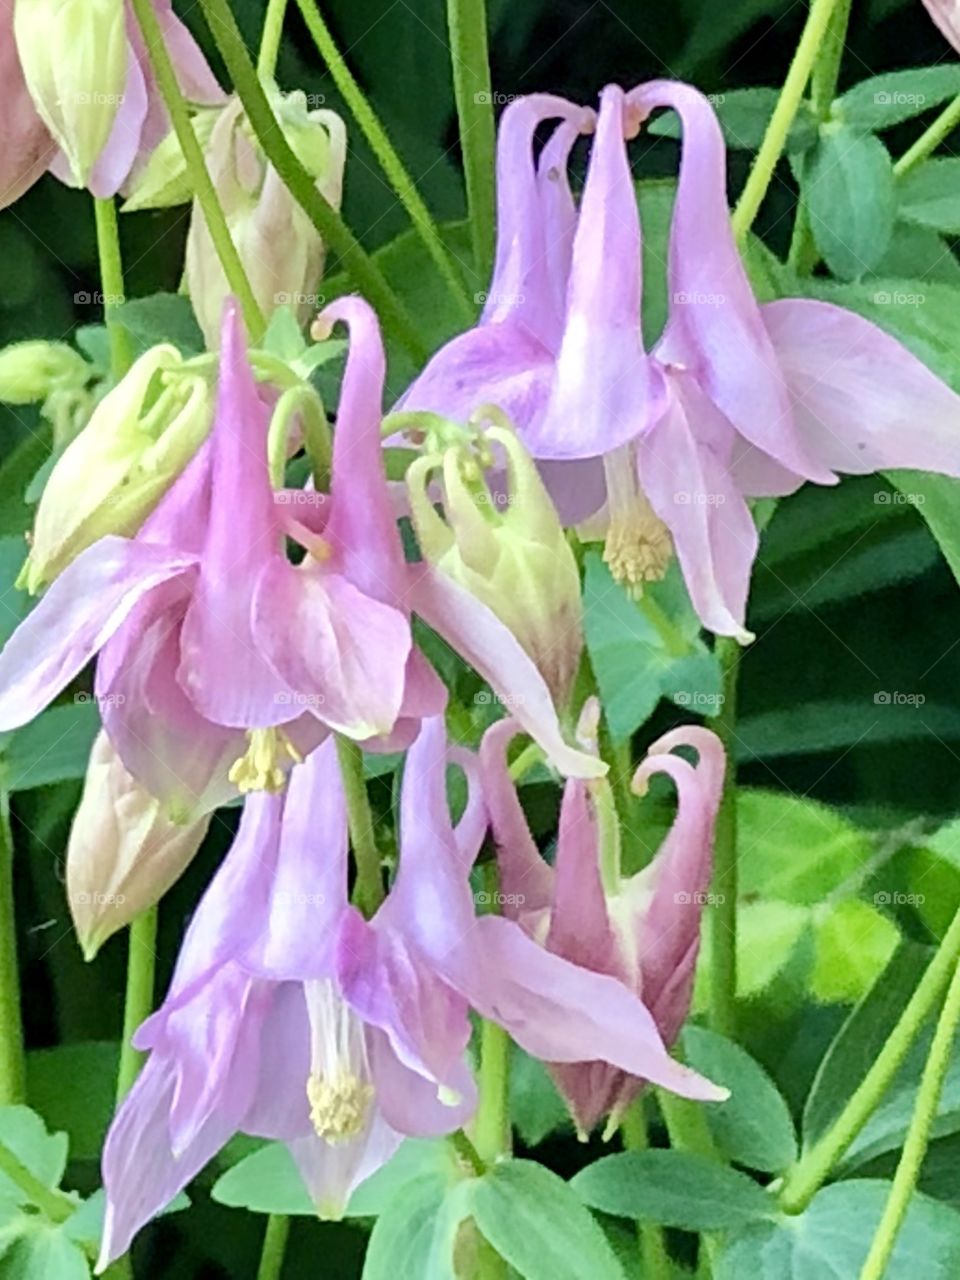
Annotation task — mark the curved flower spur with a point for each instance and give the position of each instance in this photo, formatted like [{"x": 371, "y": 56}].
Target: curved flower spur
[
  {"x": 643, "y": 930},
  {"x": 736, "y": 400}
]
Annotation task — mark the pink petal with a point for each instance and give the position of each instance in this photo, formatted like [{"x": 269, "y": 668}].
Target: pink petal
[
  {"x": 526, "y": 880},
  {"x": 333, "y": 1170},
  {"x": 83, "y": 608},
  {"x": 120, "y": 153},
  {"x": 580, "y": 928},
  {"x": 862, "y": 401}
]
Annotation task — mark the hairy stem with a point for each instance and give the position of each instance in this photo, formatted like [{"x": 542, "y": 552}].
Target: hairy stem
[
  {"x": 470, "y": 57},
  {"x": 774, "y": 141},
  {"x": 54, "y": 1204},
  {"x": 807, "y": 1176},
  {"x": 138, "y": 1001},
  {"x": 918, "y": 1135},
  {"x": 930, "y": 139},
  {"x": 723, "y": 933},
  {"x": 13, "y": 1074},
  {"x": 361, "y": 268},
  {"x": 111, "y": 283},
  {"x": 368, "y": 887},
  {"x": 396, "y": 171},
  {"x": 200, "y": 179}
]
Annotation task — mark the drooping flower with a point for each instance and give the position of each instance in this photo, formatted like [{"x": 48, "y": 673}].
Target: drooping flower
[
  {"x": 275, "y": 1027},
  {"x": 737, "y": 400},
  {"x": 643, "y": 930},
  {"x": 280, "y": 248},
  {"x": 89, "y": 75},
  {"x": 26, "y": 147},
  {"x": 124, "y": 853}
]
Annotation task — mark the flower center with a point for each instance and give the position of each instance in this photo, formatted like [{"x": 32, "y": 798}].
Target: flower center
[
  {"x": 261, "y": 767},
  {"x": 638, "y": 549},
  {"x": 338, "y": 1087}
]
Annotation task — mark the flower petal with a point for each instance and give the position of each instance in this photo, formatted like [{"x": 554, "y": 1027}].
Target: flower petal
[{"x": 526, "y": 880}]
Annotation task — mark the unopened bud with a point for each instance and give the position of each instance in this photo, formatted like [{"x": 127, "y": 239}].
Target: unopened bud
[
  {"x": 506, "y": 546},
  {"x": 164, "y": 181},
  {"x": 280, "y": 248},
  {"x": 75, "y": 58},
  {"x": 124, "y": 852},
  {"x": 113, "y": 474},
  {"x": 31, "y": 371}
]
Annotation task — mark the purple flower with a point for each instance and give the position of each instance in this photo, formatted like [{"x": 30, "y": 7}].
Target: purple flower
[
  {"x": 644, "y": 931},
  {"x": 736, "y": 401}
]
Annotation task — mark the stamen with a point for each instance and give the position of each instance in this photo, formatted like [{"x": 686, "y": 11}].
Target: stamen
[
  {"x": 638, "y": 548},
  {"x": 338, "y": 1088},
  {"x": 261, "y": 767}
]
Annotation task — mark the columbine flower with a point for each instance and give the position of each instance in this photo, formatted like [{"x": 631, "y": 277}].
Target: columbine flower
[
  {"x": 26, "y": 147},
  {"x": 645, "y": 930},
  {"x": 279, "y": 246},
  {"x": 737, "y": 400},
  {"x": 124, "y": 853},
  {"x": 89, "y": 75}
]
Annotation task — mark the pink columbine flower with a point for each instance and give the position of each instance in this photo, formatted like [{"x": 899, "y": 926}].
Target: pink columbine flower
[
  {"x": 645, "y": 930},
  {"x": 737, "y": 400}
]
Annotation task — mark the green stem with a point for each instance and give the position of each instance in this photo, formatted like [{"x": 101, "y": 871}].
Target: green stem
[
  {"x": 687, "y": 1125},
  {"x": 774, "y": 141},
  {"x": 111, "y": 282},
  {"x": 824, "y": 79},
  {"x": 470, "y": 56},
  {"x": 491, "y": 1133},
  {"x": 394, "y": 168},
  {"x": 918, "y": 1136},
  {"x": 723, "y": 932},
  {"x": 200, "y": 179},
  {"x": 807, "y": 1176},
  {"x": 364, "y": 272},
  {"x": 654, "y": 1258},
  {"x": 54, "y": 1204},
  {"x": 13, "y": 1075},
  {"x": 467, "y": 1152},
  {"x": 138, "y": 1001},
  {"x": 368, "y": 887},
  {"x": 930, "y": 139},
  {"x": 274, "y": 1247},
  {"x": 270, "y": 44}
]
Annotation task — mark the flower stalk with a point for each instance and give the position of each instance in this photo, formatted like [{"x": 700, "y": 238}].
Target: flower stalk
[
  {"x": 470, "y": 60},
  {"x": 138, "y": 1000},
  {"x": 111, "y": 282},
  {"x": 12, "y": 1062},
  {"x": 723, "y": 934},
  {"x": 274, "y": 1247},
  {"x": 368, "y": 887}
]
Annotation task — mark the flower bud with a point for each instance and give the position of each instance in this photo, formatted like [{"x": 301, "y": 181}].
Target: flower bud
[
  {"x": 164, "y": 181},
  {"x": 505, "y": 545},
  {"x": 280, "y": 248},
  {"x": 26, "y": 147},
  {"x": 112, "y": 475},
  {"x": 31, "y": 371},
  {"x": 124, "y": 853},
  {"x": 75, "y": 58}
]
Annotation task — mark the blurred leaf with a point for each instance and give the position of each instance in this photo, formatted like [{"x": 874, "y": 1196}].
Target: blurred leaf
[
  {"x": 917, "y": 253},
  {"x": 83, "y": 1111},
  {"x": 930, "y": 196},
  {"x": 767, "y": 937},
  {"x": 18, "y": 469},
  {"x": 53, "y": 748},
  {"x": 754, "y": 1127},
  {"x": 854, "y": 941},
  {"x": 43, "y": 1153},
  {"x": 849, "y": 192},
  {"x": 832, "y": 1237},
  {"x": 417, "y": 1232},
  {"x": 744, "y": 115},
  {"x": 893, "y": 96},
  {"x": 14, "y": 604},
  {"x": 538, "y": 1223},
  {"x": 536, "y": 1108},
  {"x": 828, "y": 726},
  {"x": 163, "y": 317},
  {"x": 43, "y": 1252},
  {"x": 267, "y": 1181},
  {"x": 674, "y": 1189},
  {"x": 937, "y": 499}
]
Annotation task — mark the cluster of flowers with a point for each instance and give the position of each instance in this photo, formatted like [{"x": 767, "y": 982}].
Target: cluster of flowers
[{"x": 228, "y": 667}]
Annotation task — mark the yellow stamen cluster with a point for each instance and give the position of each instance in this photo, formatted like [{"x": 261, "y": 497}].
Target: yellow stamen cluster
[
  {"x": 339, "y": 1106},
  {"x": 638, "y": 549},
  {"x": 262, "y": 766}
]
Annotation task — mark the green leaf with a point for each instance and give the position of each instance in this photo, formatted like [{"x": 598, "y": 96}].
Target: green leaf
[
  {"x": 768, "y": 936},
  {"x": 744, "y": 115},
  {"x": 754, "y": 1126},
  {"x": 854, "y": 941},
  {"x": 19, "y": 468},
  {"x": 14, "y": 604},
  {"x": 42, "y": 1252},
  {"x": 887, "y": 99},
  {"x": 536, "y": 1108},
  {"x": 537, "y": 1222},
  {"x": 861, "y": 1038},
  {"x": 831, "y": 1238},
  {"x": 53, "y": 748},
  {"x": 84, "y": 1110},
  {"x": 267, "y": 1181},
  {"x": 416, "y": 1158},
  {"x": 849, "y": 193},
  {"x": 417, "y": 1232},
  {"x": 828, "y": 726},
  {"x": 916, "y": 253},
  {"x": 674, "y": 1189},
  {"x": 937, "y": 499},
  {"x": 795, "y": 849},
  {"x": 163, "y": 317},
  {"x": 644, "y": 651},
  {"x": 930, "y": 196}
]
